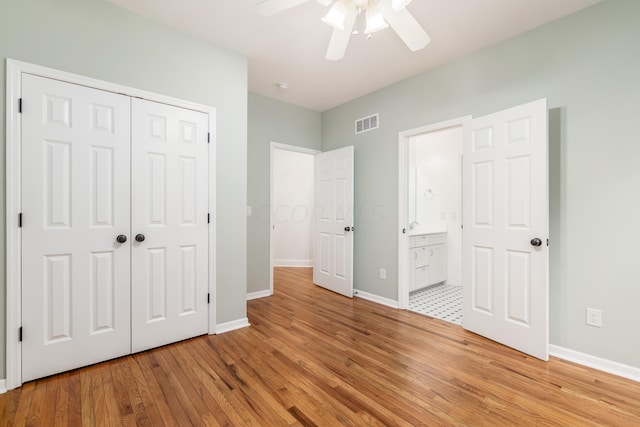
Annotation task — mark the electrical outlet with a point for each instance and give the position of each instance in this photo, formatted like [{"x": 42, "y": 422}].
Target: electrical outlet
[
  {"x": 249, "y": 211},
  {"x": 594, "y": 317},
  {"x": 383, "y": 274}
]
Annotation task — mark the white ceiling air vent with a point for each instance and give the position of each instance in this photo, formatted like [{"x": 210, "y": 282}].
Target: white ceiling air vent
[{"x": 367, "y": 123}]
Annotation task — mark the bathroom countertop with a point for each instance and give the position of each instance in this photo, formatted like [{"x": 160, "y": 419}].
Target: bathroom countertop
[{"x": 424, "y": 233}]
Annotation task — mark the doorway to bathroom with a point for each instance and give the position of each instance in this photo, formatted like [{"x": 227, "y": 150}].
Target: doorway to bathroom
[
  {"x": 434, "y": 217},
  {"x": 505, "y": 213}
]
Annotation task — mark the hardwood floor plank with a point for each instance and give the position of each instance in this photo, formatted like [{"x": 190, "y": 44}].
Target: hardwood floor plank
[
  {"x": 98, "y": 391},
  {"x": 221, "y": 389},
  {"x": 314, "y": 358},
  {"x": 111, "y": 400},
  {"x": 256, "y": 397},
  {"x": 14, "y": 404},
  {"x": 182, "y": 384},
  {"x": 130, "y": 403},
  {"x": 34, "y": 414},
  {"x": 139, "y": 388},
  {"x": 318, "y": 402},
  {"x": 61, "y": 403},
  {"x": 162, "y": 392},
  {"x": 215, "y": 415}
]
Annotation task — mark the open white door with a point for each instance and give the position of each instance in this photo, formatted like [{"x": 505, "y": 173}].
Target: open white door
[
  {"x": 506, "y": 226},
  {"x": 333, "y": 233}
]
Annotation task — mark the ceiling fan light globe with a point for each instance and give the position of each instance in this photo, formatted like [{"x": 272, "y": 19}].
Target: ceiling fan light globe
[
  {"x": 336, "y": 15},
  {"x": 375, "y": 20},
  {"x": 399, "y": 4}
]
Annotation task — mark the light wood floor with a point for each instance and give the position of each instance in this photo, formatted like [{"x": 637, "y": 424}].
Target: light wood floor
[{"x": 315, "y": 358}]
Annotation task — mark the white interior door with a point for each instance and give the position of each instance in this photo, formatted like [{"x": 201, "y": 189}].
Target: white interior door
[
  {"x": 75, "y": 202},
  {"x": 505, "y": 193},
  {"x": 333, "y": 234},
  {"x": 169, "y": 211}
]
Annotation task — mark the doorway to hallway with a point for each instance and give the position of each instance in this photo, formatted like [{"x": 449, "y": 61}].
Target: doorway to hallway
[{"x": 292, "y": 204}]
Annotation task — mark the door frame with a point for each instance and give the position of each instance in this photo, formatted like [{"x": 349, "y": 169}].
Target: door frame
[
  {"x": 279, "y": 146},
  {"x": 13, "y": 188},
  {"x": 403, "y": 200}
]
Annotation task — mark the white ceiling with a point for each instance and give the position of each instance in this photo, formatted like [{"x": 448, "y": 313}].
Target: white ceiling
[{"x": 290, "y": 46}]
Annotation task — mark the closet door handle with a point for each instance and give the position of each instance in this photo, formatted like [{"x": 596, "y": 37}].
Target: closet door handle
[
  {"x": 121, "y": 238},
  {"x": 140, "y": 237},
  {"x": 536, "y": 242}
]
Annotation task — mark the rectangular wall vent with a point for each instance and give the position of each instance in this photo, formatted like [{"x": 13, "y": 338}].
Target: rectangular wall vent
[{"x": 367, "y": 123}]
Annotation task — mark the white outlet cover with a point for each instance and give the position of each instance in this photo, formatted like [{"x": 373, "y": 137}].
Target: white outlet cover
[{"x": 594, "y": 317}]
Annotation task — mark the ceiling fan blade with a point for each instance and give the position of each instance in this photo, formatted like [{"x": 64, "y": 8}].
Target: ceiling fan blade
[
  {"x": 271, "y": 7},
  {"x": 340, "y": 38},
  {"x": 408, "y": 29}
]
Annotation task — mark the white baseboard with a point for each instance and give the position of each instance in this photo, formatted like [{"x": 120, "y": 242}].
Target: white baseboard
[
  {"x": 375, "y": 298},
  {"x": 3, "y": 386},
  {"x": 221, "y": 328},
  {"x": 594, "y": 362},
  {"x": 293, "y": 263},
  {"x": 259, "y": 294}
]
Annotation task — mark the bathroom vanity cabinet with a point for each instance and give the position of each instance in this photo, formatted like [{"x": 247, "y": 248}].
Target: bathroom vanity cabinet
[{"x": 427, "y": 260}]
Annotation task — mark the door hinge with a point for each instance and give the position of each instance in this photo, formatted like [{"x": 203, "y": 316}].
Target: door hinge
[
  {"x": 208, "y": 298},
  {"x": 20, "y": 220},
  {"x": 208, "y": 137},
  {"x": 208, "y": 218},
  {"x": 20, "y": 334},
  {"x": 20, "y": 105}
]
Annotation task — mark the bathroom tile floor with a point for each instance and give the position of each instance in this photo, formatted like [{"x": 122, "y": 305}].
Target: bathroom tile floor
[{"x": 441, "y": 301}]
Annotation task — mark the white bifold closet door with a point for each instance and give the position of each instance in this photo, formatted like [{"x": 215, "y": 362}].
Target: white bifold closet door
[{"x": 98, "y": 166}]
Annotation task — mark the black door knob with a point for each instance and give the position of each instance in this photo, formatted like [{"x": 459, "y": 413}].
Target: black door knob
[
  {"x": 121, "y": 238},
  {"x": 139, "y": 237},
  {"x": 347, "y": 229},
  {"x": 536, "y": 242}
]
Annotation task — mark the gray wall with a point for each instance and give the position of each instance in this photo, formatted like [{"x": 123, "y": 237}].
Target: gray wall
[
  {"x": 99, "y": 40},
  {"x": 588, "y": 67},
  {"x": 270, "y": 121}
]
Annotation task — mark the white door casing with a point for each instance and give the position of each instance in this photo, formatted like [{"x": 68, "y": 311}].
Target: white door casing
[
  {"x": 333, "y": 233},
  {"x": 75, "y": 175},
  {"x": 505, "y": 193},
  {"x": 170, "y": 209}
]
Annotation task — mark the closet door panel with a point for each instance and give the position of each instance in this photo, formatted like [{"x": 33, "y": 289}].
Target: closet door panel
[
  {"x": 75, "y": 202},
  {"x": 170, "y": 209}
]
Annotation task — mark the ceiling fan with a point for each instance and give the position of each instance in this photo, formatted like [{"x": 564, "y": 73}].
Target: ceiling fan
[{"x": 342, "y": 15}]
